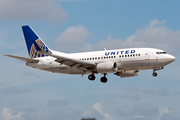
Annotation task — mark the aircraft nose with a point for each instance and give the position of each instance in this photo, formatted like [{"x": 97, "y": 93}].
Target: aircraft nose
[{"x": 171, "y": 58}]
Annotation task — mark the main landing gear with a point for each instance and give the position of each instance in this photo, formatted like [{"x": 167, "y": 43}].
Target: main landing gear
[
  {"x": 91, "y": 77},
  {"x": 103, "y": 79}
]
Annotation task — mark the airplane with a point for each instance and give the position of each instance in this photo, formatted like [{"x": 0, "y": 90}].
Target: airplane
[{"x": 121, "y": 62}]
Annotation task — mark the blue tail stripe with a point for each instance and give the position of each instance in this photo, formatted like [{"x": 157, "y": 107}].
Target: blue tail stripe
[{"x": 29, "y": 36}]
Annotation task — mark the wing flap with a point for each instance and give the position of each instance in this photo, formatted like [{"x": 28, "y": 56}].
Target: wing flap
[{"x": 22, "y": 58}]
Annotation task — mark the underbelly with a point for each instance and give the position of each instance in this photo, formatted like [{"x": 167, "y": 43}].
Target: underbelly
[
  {"x": 137, "y": 65},
  {"x": 65, "y": 70}
]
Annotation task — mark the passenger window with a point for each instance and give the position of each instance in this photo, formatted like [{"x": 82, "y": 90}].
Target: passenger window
[
  {"x": 122, "y": 55},
  {"x": 90, "y": 58},
  {"x": 128, "y": 55},
  {"x": 139, "y": 55},
  {"x": 101, "y": 57},
  {"x": 114, "y": 56},
  {"x": 82, "y": 59},
  {"x": 93, "y": 58},
  {"x": 104, "y": 57},
  {"x": 131, "y": 55},
  {"x": 87, "y": 58},
  {"x": 109, "y": 56},
  {"x": 119, "y": 56},
  {"x": 125, "y": 55},
  {"x": 98, "y": 57}
]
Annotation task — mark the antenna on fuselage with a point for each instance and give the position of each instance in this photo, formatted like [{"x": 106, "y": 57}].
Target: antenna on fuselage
[{"x": 105, "y": 49}]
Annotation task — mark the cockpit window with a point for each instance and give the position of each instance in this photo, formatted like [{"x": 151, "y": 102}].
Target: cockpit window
[{"x": 160, "y": 52}]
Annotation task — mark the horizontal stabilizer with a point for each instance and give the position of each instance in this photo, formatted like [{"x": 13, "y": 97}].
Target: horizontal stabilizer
[{"x": 23, "y": 58}]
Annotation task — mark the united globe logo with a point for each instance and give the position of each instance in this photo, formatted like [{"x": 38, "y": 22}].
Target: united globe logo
[{"x": 33, "y": 51}]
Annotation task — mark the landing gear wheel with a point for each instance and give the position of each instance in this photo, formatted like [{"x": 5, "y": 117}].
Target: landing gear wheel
[
  {"x": 103, "y": 79},
  {"x": 154, "y": 74},
  {"x": 91, "y": 77}
]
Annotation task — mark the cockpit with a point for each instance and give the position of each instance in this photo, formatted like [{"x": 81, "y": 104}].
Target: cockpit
[{"x": 161, "y": 53}]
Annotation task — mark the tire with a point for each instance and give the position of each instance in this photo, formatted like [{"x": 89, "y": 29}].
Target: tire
[
  {"x": 91, "y": 77},
  {"x": 103, "y": 79},
  {"x": 154, "y": 74}
]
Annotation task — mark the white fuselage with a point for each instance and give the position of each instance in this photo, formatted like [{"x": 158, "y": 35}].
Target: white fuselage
[{"x": 126, "y": 59}]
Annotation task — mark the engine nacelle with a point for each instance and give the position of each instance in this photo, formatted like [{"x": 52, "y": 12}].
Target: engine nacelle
[
  {"x": 127, "y": 73},
  {"x": 106, "y": 67}
]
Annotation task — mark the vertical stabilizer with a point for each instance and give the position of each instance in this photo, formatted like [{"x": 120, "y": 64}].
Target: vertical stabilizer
[{"x": 31, "y": 37}]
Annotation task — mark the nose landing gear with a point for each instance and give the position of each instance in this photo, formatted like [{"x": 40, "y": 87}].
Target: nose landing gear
[
  {"x": 154, "y": 73},
  {"x": 157, "y": 68}
]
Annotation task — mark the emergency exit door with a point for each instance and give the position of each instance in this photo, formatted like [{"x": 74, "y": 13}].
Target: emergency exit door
[{"x": 147, "y": 55}]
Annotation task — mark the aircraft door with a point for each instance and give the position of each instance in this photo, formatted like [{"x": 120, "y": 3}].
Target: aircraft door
[
  {"x": 147, "y": 54},
  {"x": 156, "y": 60}
]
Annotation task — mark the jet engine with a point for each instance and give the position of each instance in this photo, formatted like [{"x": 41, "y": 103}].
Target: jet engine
[
  {"x": 127, "y": 73},
  {"x": 106, "y": 67}
]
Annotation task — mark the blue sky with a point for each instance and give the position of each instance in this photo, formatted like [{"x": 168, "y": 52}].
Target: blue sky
[{"x": 85, "y": 25}]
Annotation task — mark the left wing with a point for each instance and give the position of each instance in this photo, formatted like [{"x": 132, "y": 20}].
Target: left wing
[
  {"x": 66, "y": 60},
  {"x": 63, "y": 59}
]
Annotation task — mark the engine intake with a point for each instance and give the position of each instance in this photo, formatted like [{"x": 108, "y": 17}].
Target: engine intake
[{"x": 106, "y": 67}]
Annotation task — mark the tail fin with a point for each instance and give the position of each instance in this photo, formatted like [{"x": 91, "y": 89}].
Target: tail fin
[{"x": 31, "y": 37}]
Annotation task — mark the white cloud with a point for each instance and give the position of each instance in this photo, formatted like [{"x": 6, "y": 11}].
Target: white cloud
[
  {"x": 32, "y": 10},
  {"x": 131, "y": 96},
  {"x": 74, "y": 37},
  {"x": 9, "y": 114},
  {"x": 72, "y": 0},
  {"x": 74, "y": 34},
  {"x": 146, "y": 110},
  {"x": 155, "y": 35},
  {"x": 131, "y": 88},
  {"x": 141, "y": 111},
  {"x": 156, "y": 90},
  {"x": 124, "y": 111},
  {"x": 92, "y": 112},
  {"x": 16, "y": 90},
  {"x": 98, "y": 107},
  {"x": 164, "y": 111},
  {"x": 58, "y": 102}
]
